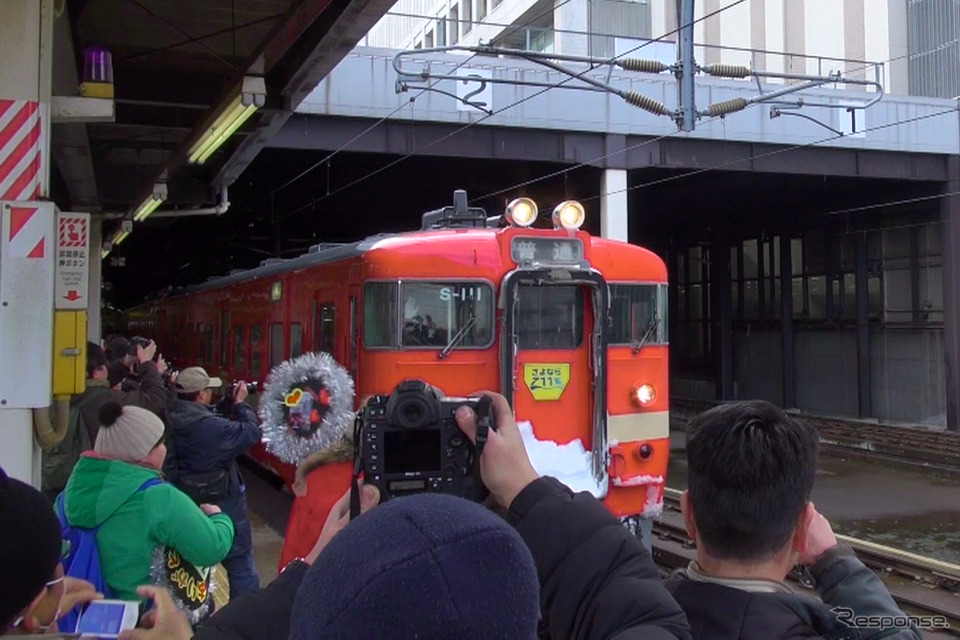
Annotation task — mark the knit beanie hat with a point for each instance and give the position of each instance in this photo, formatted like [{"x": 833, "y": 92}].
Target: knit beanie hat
[
  {"x": 127, "y": 433},
  {"x": 429, "y": 566},
  {"x": 29, "y": 546}
]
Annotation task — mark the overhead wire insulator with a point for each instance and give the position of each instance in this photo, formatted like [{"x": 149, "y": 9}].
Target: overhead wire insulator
[
  {"x": 727, "y": 106},
  {"x": 727, "y": 70},
  {"x": 642, "y": 65},
  {"x": 645, "y": 102}
]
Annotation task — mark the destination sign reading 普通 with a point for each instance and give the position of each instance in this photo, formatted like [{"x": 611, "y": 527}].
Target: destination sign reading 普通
[{"x": 546, "y": 250}]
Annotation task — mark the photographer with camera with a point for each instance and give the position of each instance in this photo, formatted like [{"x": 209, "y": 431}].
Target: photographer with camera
[{"x": 203, "y": 447}]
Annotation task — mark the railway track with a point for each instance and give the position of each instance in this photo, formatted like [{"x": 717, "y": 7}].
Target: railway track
[
  {"x": 921, "y": 586},
  {"x": 936, "y": 452}
]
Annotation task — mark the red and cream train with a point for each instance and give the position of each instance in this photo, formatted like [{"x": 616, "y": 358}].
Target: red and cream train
[{"x": 571, "y": 328}]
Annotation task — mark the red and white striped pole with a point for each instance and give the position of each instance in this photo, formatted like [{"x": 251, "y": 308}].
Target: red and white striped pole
[{"x": 27, "y": 239}]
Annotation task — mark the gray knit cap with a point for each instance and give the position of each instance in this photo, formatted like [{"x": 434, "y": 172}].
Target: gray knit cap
[{"x": 127, "y": 433}]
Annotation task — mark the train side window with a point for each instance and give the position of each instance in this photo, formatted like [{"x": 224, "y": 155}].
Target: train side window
[
  {"x": 256, "y": 350},
  {"x": 200, "y": 351},
  {"x": 296, "y": 339},
  {"x": 239, "y": 348},
  {"x": 224, "y": 337},
  {"x": 637, "y": 315},
  {"x": 353, "y": 337},
  {"x": 208, "y": 345},
  {"x": 324, "y": 328},
  {"x": 276, "y": 344},
  {"x": 380, "y": 314}
]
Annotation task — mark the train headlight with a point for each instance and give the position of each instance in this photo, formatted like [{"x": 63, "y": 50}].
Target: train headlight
[
  {"x": 569, "y": 215},
  {"x": 522, "y": 212},
  {"x": 643, "y": 394}
]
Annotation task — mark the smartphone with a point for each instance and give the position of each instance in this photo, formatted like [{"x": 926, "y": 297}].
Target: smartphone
[{"x": 107, "y": 618}]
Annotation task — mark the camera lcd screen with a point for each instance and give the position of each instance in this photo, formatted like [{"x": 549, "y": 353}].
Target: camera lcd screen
[
  {"x": 101, "y": 618},
  {"x": 411, "y": 450}
]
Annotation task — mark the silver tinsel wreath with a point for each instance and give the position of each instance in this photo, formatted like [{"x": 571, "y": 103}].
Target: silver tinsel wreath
[{"x": 279, "y": 437}]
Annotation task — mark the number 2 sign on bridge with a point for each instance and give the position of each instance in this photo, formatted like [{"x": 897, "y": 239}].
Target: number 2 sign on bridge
[{"x": 475, "y": 93}]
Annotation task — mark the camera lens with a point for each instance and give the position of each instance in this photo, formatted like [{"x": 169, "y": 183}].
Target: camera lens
[{"x": 413, "y": 405}]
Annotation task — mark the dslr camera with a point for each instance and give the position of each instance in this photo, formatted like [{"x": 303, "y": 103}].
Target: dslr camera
[
  {"x": 252, "y": 387},
  {"x": 408, "y": 442},
  {"x": 137, "y": 341}
]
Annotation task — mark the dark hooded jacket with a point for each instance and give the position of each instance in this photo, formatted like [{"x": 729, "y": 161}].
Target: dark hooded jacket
[
  {"x": 720, "y": 612},
  {"x": 200, "y": 441}
]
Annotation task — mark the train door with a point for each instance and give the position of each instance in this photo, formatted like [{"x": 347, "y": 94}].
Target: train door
[
  {"x": 325, "y": 324},
  {"x": 223, "y": 334},
  {"x": 554, "y": 357}
]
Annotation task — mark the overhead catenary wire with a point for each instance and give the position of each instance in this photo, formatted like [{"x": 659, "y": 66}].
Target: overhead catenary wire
[
  {"x": 449, "y": 135},
  {"x": 638, "y": 145}
]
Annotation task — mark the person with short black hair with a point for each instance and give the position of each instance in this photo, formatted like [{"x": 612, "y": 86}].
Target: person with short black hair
[
  {"x": 33, "y": 589},
  {"x": 751, "y": 470}
]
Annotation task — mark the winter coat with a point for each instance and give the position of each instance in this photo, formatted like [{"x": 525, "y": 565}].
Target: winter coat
[
  {"x": 257, "y": 615},
  {"x": 597, "y": 580},
  {"x": 321, "y": 480},
  {"x": 106, "y": 493},
  {"x": 720, "y": 612},
  {"x": 201, "y": 441}
]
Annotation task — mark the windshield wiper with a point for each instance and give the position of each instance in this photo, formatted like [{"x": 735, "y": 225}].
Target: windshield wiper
[
  {"x": 457, "y": 337},
  {"x": 638, "y": 345}
]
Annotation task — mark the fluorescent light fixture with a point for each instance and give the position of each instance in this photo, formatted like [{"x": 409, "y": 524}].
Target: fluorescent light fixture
[
  {"x": 150, "y": 205},
  {"x": 121, "y": 234},
  {"x": 251, "y": 97}
]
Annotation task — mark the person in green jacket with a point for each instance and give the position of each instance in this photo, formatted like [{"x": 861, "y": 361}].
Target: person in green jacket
[{"x": 104, "y": 491}]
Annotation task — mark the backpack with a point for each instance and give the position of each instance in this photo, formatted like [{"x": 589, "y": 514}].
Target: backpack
[
  {"x": 58, "y": 461},
  {"x": 82, "y": 559}
]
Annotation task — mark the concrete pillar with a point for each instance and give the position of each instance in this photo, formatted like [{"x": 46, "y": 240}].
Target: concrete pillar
[
  {"x": 95, "y": 283},
  {"x": 722, "y": 316},
  {"x": 26, "y": 48},
  {"x": 786, "y": 323},
  {"x": 864, "y": 402},
  {"x": 614, "y": 213},
  {"x": 950, "y": 221}
]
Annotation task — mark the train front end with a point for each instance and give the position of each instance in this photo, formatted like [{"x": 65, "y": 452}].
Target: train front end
[
  {"x": 584, "y": 360},
  {"x": 569, "y": 327}
]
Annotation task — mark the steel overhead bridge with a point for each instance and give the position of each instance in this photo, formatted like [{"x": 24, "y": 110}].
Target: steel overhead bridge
[{"x": 503, "y": 107}]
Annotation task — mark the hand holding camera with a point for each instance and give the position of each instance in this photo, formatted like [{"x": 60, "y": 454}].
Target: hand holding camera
[
  {"x": 240, "y": 392},
  {"x": 145, "y": 349},
  {"x": 504, "y": 464}
]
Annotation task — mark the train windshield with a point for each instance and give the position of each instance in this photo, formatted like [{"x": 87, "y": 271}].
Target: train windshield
[
  {"x": 550, "y": 317},
  {"x": 420, "y": 314},
  {"x": 638, "y": 314}
]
